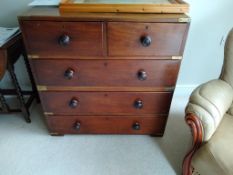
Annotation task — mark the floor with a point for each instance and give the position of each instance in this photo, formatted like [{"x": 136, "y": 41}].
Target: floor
[{"x": 27, "y": 149}]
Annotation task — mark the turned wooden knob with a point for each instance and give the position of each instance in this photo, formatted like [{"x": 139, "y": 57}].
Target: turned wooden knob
[
  {"x": 69, "y": 73},
  {"x": 142, "y": 75},
  {"x": 77, "y": 126},
  {"x": 73, "y": 103},
  {"x": 146, "y": 41},
  {"x": 64, "y": 40},
  {"x": 138, "y": 104},
  {"x": 136, "y": 126}
]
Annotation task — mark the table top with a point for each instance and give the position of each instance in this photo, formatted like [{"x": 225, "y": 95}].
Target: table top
[
  {"x": 11, "y": 41},
  {"x": 10, "y": 52}
]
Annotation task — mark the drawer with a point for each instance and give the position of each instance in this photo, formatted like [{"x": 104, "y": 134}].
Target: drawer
[
  {"x": 106, "y": 124},
  {"x": 127, "y": 73},
  {"x": 146, "y": 39},
  {"x": 106, "y": 103},
  {"x": 63, "y": 39}
]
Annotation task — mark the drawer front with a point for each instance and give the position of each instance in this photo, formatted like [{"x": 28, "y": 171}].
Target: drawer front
[
  {"x": 63, "y": 39},
  {"x": 146, "y": 39},
  {"x": 106, "y": 125},
  {"x": 127, "y": 73},
  {"x": 106, "y": 103}
]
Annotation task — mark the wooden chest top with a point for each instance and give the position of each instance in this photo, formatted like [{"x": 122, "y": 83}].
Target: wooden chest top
[{"x": 48, "y": 13}]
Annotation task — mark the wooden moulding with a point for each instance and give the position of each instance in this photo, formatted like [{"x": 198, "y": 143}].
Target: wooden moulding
[
  {"x": 104, "y": 89},
  {"x": 174, "y": 6},
  {"x": 196, "y": 128}
]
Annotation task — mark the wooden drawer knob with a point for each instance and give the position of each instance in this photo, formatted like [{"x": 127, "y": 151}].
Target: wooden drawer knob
[
  {"x": 142, "y": 75},
  {"x": 136, "y": 126},
  {"x": 77, "y": 126},
  {"x": 73, "y": 103},
  {"x": 64, "y": 40},
  {"x": 69, "y": 73},
  {"x": 138, "y": 104},
  {"x": 146, "y": 41}
]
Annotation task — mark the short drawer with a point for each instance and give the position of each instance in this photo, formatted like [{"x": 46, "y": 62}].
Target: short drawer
[
  {"x": 106, "y": 103},
  {"x": 146, "y": 39},
  {"x": 127, "y": 73},
  {"x": 107, "y": 124},
  {"x": 63, "y": 39}
]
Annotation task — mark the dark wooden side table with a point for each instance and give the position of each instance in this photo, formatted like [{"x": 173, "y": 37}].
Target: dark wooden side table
[{"x": 10, "y": 52}]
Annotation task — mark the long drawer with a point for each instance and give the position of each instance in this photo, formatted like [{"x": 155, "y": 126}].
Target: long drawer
[
  {"x": 154, "y": 125},
  {"x": 127, "y": 73},
  {"x": 106, "y": 103},
  {"x": 146, "y": 39},
  {"x": 63, "y": 39}
]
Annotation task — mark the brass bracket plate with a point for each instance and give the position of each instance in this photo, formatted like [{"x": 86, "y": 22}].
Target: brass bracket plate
[
  {"x": 42, "y": 88},
  {"x": 184, "y": 20},
  {"x": 177, "y": 57},
  {"x": 172, "y": 88},
  {"x": 48, "y": 113},
  {"x": 33, "y": 56}
]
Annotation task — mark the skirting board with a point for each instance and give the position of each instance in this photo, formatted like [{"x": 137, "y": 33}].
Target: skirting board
[{"x": 185, "y": 89}]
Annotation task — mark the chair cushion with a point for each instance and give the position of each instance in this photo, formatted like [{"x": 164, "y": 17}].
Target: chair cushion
[{"x": 216, "y": 156}]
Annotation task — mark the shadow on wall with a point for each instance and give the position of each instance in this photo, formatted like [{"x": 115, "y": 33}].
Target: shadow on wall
[{"x": 177, "y": 139}]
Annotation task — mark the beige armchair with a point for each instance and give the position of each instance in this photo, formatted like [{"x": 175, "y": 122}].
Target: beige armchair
[{"x": 209, "y": 113}]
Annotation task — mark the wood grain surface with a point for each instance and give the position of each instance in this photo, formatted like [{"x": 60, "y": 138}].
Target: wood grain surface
[
  {"x": 149, "y": 124},
  {"x": 124, "y": 6},
  {"x": 125, "y": 39},
  {"x": 109, "y": 73},
  {"x": 53, "y": 14},
  {"x": 106, "y": 103},
  {"x": 42, "y": 38}
]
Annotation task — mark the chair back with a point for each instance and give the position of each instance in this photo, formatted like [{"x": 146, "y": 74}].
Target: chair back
[{"x": 227, "y": 69}]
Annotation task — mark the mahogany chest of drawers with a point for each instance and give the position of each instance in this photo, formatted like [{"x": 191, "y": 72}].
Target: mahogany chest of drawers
[{"x": 104, "y": 73}]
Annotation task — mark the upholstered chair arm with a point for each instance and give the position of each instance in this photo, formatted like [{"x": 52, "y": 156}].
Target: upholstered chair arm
[{"x": 209, "y": 102}]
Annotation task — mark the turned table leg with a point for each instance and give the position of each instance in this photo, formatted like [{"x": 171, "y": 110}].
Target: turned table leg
[
  {"x": 34, "y": 89},
  {"x": 23, "y": 106},
  {"x": 5, "y": 107}
]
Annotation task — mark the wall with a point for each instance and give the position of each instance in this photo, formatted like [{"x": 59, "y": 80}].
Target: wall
[
  {"x": 10, "y": 9},
  {"x": 203, "y": 57}
]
